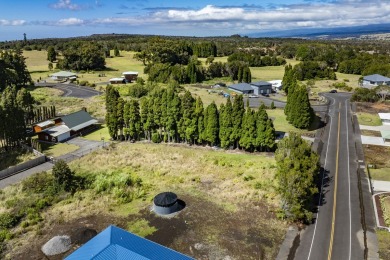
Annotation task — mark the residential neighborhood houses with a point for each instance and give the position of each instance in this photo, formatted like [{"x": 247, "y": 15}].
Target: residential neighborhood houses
[{"x": 127, "y": 76}]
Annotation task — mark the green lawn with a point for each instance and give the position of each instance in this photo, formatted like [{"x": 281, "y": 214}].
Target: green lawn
[
  {"x": 384, "y": 242},
  {"x": 59, "y": 149},
  {"x": 281, "y": 124},
  {"x": 369, "y": 119},
  {"x": 97, "y": 135},
  {"x": 207, "y": 97},
  {"x": 382, "y": 174}
]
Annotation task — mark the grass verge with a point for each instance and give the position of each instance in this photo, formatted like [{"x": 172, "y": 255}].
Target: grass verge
[
  {"x": 58, "y": 149},
  {"x": 369, "y": 119}
]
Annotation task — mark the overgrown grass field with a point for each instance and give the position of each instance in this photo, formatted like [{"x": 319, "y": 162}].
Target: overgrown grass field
[{"x": 227, "y": 183}]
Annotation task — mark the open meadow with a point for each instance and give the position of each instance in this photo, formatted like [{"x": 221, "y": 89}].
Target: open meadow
[{"x": 229, "y": 196}]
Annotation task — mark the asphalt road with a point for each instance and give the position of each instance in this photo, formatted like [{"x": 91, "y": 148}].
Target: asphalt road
[
  {"x": 337, "y": 231},
  {"x": 256, "y": 102},
  {"x": 72, "y": 90}
]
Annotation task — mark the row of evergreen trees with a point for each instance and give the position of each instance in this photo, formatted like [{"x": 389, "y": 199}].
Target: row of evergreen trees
[
  {"x": 298, "y": 109},
  {"x": 15, "y": 109},
  {"x": 165, "y": 115}
]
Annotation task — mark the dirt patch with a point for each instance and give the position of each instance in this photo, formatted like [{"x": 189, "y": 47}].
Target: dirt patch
[
  {"x": 202, "y": 230},
  {"x": 373, "y": 108},
  {"x": 378, "y": 155},
  {"x": 371, "y": 133},
  {"x": 205, "y": 230},
  {"x": 80, "y": 231}
]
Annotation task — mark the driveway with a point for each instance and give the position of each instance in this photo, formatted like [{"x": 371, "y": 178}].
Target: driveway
[
  {"x": 375, "y": 128},
  {"x": 86, "y": 147},
  {"x": 72, "y": 90},
  {"x": 256, "y": 102},
  {"x": 374, "y": 140},
  {"x": 381, "y": 186}
]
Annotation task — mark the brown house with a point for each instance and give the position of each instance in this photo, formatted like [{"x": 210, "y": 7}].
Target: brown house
[
  {"x": 70, "y": 125},
  {"x": 130, "y": 75}
]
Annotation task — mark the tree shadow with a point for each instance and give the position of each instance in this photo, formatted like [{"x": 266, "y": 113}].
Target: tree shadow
[
  {"x": 317, "y": 123},
  {"x": 323, "y": 183}
]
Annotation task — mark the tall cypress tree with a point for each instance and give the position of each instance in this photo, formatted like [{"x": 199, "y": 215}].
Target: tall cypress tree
[
  {"x": 134, "y": 124},
  {"x": 248, "y": 134},
  {"x": 199, "y": 116},
  {"x": 112, "y": 96},
  {"x": 226, "y": 124},
  {"x": 237, "y": 115},
  {"x": 173, "y": 114},
  {"x": 120, "y": 117},
  {"x": 187, "y": 124},
  {"x": 144, "y": 117},
  {"x": 302, "y": 114},
  {"x": 211, "y": 124}
]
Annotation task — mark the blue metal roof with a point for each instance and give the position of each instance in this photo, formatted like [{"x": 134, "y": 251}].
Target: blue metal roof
[
  {"x": 241, "y": 87},
  {"x": 376, "y": 78},
  {"x": 261, "y": 84},
  {"x": 114, "y": 243}
]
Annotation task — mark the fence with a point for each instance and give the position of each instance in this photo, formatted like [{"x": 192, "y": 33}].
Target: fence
[{"x": 21, "y": 167}]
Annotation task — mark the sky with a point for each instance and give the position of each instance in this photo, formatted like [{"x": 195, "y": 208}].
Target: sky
[{"x": 67, "y": 18}]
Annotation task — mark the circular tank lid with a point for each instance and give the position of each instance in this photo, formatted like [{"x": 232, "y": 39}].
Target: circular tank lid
[{"x": 165, "y": 199}]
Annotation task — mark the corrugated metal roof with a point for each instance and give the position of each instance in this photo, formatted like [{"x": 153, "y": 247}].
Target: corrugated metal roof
[
  {"x": 78, "y": 120},
  {"x": 63, "y": 74},
  {"x": 261, "y": 84},
  {"x": 45, "y": 123},
  {"x": 241, "y": 87},
  {"x": 130, "y": 73},
  {"x": 385, "y": 134},
  {"x": 376, "y": 78},
  {"x": 114, "y": 243},
  {"x": 57, "y": 130},
  {"x": 384, "y": 116}
]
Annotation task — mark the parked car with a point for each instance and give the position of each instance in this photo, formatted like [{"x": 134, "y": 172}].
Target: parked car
[
  {"x": 253, "y": 96},
  {"x": 333, "y": 91}
]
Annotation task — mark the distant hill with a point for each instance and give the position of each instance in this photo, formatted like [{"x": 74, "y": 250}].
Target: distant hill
[{"x": 327, "y": 33}]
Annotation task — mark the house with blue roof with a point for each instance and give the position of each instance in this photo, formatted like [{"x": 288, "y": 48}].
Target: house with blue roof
[
  {"x": 371, "y": 81},
  {"x": 114, "y": 243}
]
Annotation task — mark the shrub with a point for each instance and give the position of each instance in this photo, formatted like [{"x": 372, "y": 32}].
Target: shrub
[
  {"x": 38, "y": 183},
  {"x": 156, "y": 138},
  {"x": 5, "y": 235},
  {"x": 365, "y": 95},
  {"x": 63, "y": 176},
  {"x": 8, "y": 220},
  {"x": 83, "y": 83}
]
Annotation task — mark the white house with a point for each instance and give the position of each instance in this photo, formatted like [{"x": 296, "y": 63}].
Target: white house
[
  {"x": 371, "y": 81},
  {"x": 63, "y": 75},
  {"x": 385, "y": 118}
]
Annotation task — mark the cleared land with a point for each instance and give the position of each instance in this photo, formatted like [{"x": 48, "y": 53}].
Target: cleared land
[
  {"x": 97, "y": 135},
  {"x": 58, "y": 149},
  {"x": 229, "y": 196}
]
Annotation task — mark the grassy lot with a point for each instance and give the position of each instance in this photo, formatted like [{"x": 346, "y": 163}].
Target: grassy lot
[
  {"x": 65, "y": 105},
  {"x": 369, "y": 119},
  {"x": 15, "y": 157},
  {"x": 38, "y": 66},
  {"x": 385, "y": 202},
  {"x": 281, "y": 124},
  {"x": 97, "y": 135},
  {"x": 384, "y": 242},
  {"x": 382, "y": 174},
  {"x": 234, "y": 188},
  {"x": 58, "y": 149},
  {"x": 207, "y": 97}
]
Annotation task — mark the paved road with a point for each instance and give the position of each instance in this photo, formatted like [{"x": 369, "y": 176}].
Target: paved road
[
  {"x": 337, "y": 231},
  {"x": 72, "y": 90},
  {"x": 256, "y": 102},
  {"x": 86, "y": 147}
]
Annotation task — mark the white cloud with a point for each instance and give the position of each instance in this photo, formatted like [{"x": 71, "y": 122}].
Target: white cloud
[
  {"x": 67, "y": 4},
  {"x": 12, "y": 22},
  {"x": 227, "y": 19},
  {"x": 70, "y": 22}
]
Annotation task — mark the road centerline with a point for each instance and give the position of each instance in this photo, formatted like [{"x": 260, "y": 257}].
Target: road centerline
[{"x": 335, "y": 189}]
